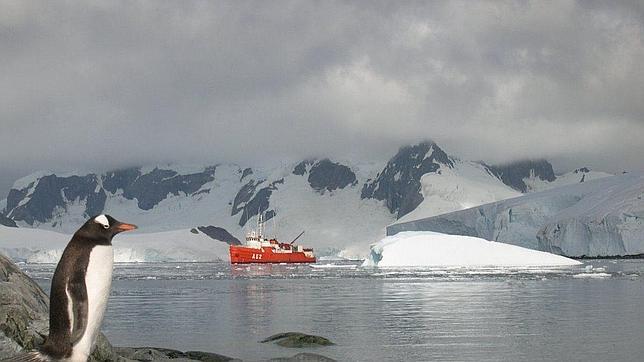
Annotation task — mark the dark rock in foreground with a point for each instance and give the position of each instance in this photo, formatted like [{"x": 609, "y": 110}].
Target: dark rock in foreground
[
  {"x": 308, "y": 357},
  {"x": 298, "y": 340},
  {"x": 160, "y": 354},
  {"x": 23, "y": 310},
  {"x": 24, "y": 315}
]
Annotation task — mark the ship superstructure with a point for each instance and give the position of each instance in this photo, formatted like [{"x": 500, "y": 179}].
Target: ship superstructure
[{"x": 258, "y": 248}]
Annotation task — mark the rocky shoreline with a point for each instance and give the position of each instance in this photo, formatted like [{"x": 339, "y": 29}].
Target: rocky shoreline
[{"x": 24, "y": 323}]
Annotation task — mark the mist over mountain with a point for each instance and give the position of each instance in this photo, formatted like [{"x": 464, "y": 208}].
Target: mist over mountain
[{"x": 104, "y": 86}]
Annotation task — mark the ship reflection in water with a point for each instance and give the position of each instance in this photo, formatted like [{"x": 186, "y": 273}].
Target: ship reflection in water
[{"x": 283, "y": 270}]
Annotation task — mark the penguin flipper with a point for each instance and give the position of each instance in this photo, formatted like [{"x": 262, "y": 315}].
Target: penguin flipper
[
  {"x": 28, "y": 357},
  {"x": 78, "y": 292}
]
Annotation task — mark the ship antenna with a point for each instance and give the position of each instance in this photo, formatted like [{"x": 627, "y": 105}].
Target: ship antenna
[{"x": 260, "y": 224}]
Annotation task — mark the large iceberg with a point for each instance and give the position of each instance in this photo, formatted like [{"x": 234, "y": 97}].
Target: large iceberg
[
  {"x": 603, "y": 217},
  {"x": 426, "y": 248}
]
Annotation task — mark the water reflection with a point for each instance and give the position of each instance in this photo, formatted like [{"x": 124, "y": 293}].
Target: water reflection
[{"x": 382, "y": 314}]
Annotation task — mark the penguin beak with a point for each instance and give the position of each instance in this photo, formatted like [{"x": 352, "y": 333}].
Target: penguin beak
[{"x": 121, "y": 226}]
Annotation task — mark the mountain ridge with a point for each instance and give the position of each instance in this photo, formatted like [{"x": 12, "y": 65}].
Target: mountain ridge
[{"x": 338, "y": 203}]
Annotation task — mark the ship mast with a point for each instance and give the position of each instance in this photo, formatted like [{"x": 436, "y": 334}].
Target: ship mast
[{"x": 260, "y": 225}]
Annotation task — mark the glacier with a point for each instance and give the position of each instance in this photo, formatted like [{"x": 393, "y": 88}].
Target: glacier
[
  {"x": 601, "y": 217},
  {"x": 44, "y": 246},
  {"x": 425, "y": 248}
]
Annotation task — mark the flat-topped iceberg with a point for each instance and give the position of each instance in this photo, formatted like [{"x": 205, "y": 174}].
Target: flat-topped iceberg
[{"x": 426, "y": 248}]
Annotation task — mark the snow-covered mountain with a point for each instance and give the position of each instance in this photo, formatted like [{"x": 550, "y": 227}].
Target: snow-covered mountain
[
  {"x": 580, "y": 175},
  {"x": 342, "y": 206},
  {"x": 324, "y": 200},
  {"x": 601, "y": 217}
]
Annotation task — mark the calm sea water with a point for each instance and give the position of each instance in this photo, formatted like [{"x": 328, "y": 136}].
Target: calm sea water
[{"x": 594, "y": 312}]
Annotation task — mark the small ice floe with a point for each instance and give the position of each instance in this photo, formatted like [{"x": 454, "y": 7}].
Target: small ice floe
[
  {"x": 591, "y": 276},
  {"x": 333, "y": 266}
]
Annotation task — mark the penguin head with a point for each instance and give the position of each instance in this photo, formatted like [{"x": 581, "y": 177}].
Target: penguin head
[{"x": 104, "y": 227}]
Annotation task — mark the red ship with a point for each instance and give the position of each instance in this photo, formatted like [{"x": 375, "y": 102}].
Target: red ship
[{"x": 259, "y": 249}]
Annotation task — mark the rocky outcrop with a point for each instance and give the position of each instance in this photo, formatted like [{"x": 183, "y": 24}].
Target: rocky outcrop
[
  {"x": 303, "y": 357},
  {"x": 41, "y": 199},
  {"x": 38, "y": 201},
  {"x": 220, "y": 234},
  {"x": 297, "y": 340},
  {"x": 302, "y": 167},
  {"x": 165, "y": 354},
  {"x": 244, "y": 195},
  {"x": 120, "y": 179},
  {"x": 247, "y": 172},
  {"x": 24, "y": 315},
  {"x": 399, "y": 182},
  {"x": 514, "y": 174},
  {"x": 151, "y": 188},
  {"x": 253, "y": 203},
  {"x": 23, "y": 310},
  {"x": 7, "y": 221},
  {"x": 325, "y": 175},
  {"x": 329, "y": 176}
]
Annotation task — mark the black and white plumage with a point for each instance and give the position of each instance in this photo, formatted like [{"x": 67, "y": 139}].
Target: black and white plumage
[{"x": 80, "y": 288}]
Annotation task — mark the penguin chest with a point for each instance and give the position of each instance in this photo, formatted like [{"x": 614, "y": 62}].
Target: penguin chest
[{"x": 98, "y": 282}]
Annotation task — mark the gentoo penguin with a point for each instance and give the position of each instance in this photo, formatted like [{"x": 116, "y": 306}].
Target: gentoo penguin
[{"x": 79, "y": 291}]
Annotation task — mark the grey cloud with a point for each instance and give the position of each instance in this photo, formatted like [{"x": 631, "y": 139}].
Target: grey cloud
[{"x": 104, "y": 85}]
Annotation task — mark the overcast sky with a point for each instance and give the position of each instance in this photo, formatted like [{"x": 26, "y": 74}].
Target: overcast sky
[{"x": 111, "y": 84}]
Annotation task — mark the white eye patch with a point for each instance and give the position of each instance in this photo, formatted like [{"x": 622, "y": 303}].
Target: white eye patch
[{"x": 101, "y": 219}]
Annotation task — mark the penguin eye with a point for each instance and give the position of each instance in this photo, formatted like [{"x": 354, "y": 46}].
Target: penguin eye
[{"x": 106, "y": 226}]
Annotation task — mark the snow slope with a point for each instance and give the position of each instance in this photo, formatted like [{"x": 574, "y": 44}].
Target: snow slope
[
  {"x": 436, "y": 249},
  {"x": 466, "y": 185},
  {"x": 43, "y": 246},
  {"x": 602, "y": 217},
  {"x": 579, "y": 175}
]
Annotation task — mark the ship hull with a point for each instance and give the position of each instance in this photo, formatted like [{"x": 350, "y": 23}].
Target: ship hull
[{"x": 246, "y": 255}]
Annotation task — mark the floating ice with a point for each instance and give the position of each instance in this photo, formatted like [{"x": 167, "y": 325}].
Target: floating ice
[
  {"x": 425, "y": 248},
  {"x": 591, "y": 276}
]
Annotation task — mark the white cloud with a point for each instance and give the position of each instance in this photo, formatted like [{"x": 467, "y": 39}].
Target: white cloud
[{"x": 106, "y": 84}]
